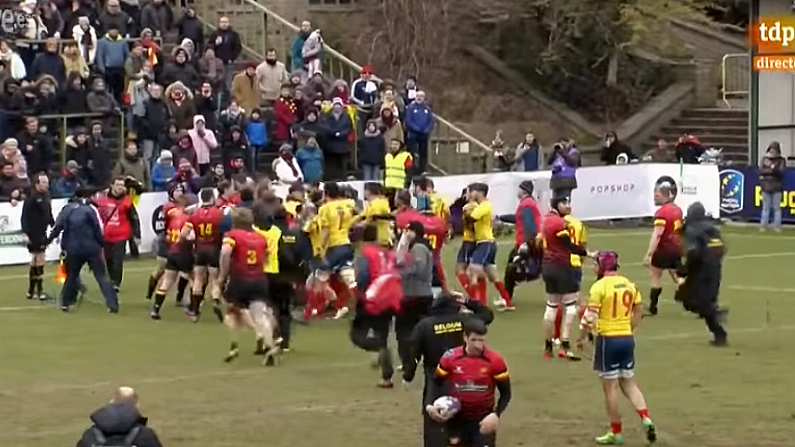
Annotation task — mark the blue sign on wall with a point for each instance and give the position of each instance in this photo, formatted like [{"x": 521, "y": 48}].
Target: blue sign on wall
[{"x": 741, "y": 194}]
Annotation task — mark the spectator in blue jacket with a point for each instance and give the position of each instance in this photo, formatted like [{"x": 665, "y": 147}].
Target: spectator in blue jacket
[
  {"x": 310, "y": 159},
  {"x": 83, "y": 241},
  {"x": 419, "y": 124},
  {"x": 298, "y": 46},
  {"x": 163, "y": 171},
  {"x": 257, "y": 135},
  {"x": 70, "y": 181},
  {"x": 112, "y": 52}
]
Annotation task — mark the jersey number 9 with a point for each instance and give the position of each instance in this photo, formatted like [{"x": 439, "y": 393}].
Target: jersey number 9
[{"x": 627, "y": 300}]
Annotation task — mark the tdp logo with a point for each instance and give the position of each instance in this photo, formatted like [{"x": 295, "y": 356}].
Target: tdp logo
[{"x": 732, "y": 187}]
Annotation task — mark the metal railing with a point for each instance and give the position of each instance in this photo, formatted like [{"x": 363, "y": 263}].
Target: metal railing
[
  {"x": 452, "y": 150},
  {"x": 735, "y": 76}
]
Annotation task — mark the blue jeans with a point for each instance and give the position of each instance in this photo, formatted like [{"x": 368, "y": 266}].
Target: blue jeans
[
  {"x": 372, "y": 173},
  {"x": 771, "y": 201}
]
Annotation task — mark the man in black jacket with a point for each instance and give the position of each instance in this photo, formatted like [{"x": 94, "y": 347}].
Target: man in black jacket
[
  {"x": 83, "y": 242},
  {"x": 120, "y": 423},
  {"x": 226, "y": 43},
  {"x": 434, "y": 335},
  {"x": 35, "y": 146},
  {"x": 154, "y": 123},
  {"x": 36, "y": 217}
]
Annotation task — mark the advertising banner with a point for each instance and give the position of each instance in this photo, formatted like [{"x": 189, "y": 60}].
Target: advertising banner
[{"x": 741, "y": 194}]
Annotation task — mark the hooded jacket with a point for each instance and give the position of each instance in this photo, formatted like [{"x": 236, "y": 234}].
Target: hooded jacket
[
  {"x": 155, "y": 119},
  {"x": 115, "y": 421},
  {"x": 184, "y": 72},
  {"x": 157, "y": 17},
  {"x": 100, "y": 101},
  {"x": 372, "y": 149},
  {"x": 191, "y": 28},
  {"x": 134, "y": 167},
  {"x": 771, "y": 174},
  {"x": 183, "y": 113},
  {"x": 297, "y": 51},
  {"x": 204, "y": 144}
]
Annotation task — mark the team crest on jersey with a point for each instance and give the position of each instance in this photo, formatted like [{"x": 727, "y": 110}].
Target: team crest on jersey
[{"x": 732, "y": 187}]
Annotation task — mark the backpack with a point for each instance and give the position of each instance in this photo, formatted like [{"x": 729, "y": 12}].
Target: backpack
[{"x": 100, "y": 440}]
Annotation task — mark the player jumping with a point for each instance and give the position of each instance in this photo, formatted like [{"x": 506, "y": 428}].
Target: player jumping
[
  {"x": 242, "y": 261},
  {"x": 206, "y": 223},
  {"x": 665, "y": 246},
  {"x": 614, "y": 312}
]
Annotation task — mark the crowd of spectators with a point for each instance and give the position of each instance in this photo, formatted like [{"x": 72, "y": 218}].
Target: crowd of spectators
[{"x": 193, "y": 108}]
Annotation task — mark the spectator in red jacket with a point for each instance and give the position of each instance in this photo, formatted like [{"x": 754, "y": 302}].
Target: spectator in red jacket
[
  {"x": 120, "y": 224},
  {"x": 285, "y": 111}
]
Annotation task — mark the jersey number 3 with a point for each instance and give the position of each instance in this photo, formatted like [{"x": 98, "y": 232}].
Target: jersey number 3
[
  {"x": 627, "y": 300},
  {"x": 251, "y": 257}
]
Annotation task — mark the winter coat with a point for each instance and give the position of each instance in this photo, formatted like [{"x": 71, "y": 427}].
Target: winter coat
[
  {"x": 227, "y": 45},
  {"x": 182, "y": 113},
  {"x": 527, "y": 157},
  {"x": 297, "y": 51},
  {"x": 310, "y": 160},
  {"x": 610, "y": 154},
  {"x": 50, "y": 64},
  {"x": 86, "y": 42},
  {"x": 66, "y": 186},
  {"x": 339, "y": 130},
  {"x": 184, "y": 73},
  {"x": 116, "y": 420},
  {"x": 419, "y": 118},
  {"x": 284, "y": 172},
  {"x": 73, "y": 101},
  {"x": 771, "y": 174},
  {"x": 257, "y": 134},
  {"x": 15, "y": 64},
  {"x": 82, "y": 235},
  {"x": 76, "y": 64},
  {"x": 121, "y": 21},
  {"x": 37, "y": 150},
  {"x": 393, "y": 132},
  {"x": 191, "y": 28},
  {"x": 372, "y": 150},
  {"x": 234, "y": 149},
  {"x": 111, "y": 53},
  {"x": 270, "y": 80},
  {"x": 203, "y": 145},
  {"x": 313, "y": 47},
  {"x": 244, "y": 91},
  {"x": 155, "y": 119},
  {"x": 100, "y": 163},
  {"x": 226, "y": 121},
  {"x": 212, "y": 70},
  {"x": 341, "y": 93},
  {"x": 133, "y": 167},
  {"x": 206, "y": 107},
  {"x": 101, "y": 102},
  {"x": 284, "y": 112},
  {"x": 161, "y": 176},
  {"x": 158, "y": 18}
]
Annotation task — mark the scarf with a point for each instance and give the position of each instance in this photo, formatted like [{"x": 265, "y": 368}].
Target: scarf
[{"x": 289, "y": 160}]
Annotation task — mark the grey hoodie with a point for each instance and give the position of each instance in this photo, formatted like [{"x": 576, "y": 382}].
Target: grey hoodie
[{"x": 417, "y": 271}]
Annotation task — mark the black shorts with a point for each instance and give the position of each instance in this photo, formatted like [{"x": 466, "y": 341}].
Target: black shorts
[
  {"x": 162, "y": 247},
  {"x": 560, "y": 280},
  {"x": 207, "y": 256},
  {"x": 467, "y": 434},
  {"x": 242, "y": 291},
  {"x": 180, "y": 262},
  {"x": 666, "y": 260},
  {"x": 37, "y": 245}
]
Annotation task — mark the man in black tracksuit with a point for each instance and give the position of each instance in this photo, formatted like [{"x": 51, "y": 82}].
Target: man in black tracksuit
[
  {"x": 36, "y": 217},
  {"x": 434, "y": 335},
  {"x": 700, "y": 277}
]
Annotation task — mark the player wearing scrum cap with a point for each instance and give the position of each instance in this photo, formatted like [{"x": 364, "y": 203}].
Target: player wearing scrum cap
[
  {"x": 613, "y": 313},
  {"x": 665, "y": 245}
]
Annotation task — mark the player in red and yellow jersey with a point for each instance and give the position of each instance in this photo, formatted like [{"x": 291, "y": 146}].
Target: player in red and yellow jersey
[
  {"x": 665, "y": 246},
  {"x": 436, "y": 231},
  {"x": 472, "y": 373},
  {"x": 206, "y": 222},
  {"x": 377, "y": 214},
  {"x": 613, "y": 312},
  {"x": 162, "y": 247},
  {"x": 464, "y": 255},
  {"x": 179, "y": 258},
  {"x": 243, "y": 257}
]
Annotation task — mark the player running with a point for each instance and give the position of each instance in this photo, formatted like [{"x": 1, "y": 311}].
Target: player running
[
  {"x": 179, "y": 259},
  {"x": 336, "y": 219},
  {"x": 482, "y": 265},
  {"x": 464, "y": 255},
  {"x": 665, "y": 246},
  {"x": 560, "y": 278},
  {"x": 206, "y": 222},
  {"x": 162, "y": 244},
  {"x": 614, "y": 312},
  {"x": 435, "y": 233},
  {"x": 523, "y": 260},
  {"x": 243, "y": 255}
]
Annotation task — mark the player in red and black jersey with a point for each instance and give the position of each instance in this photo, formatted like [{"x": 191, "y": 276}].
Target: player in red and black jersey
[
  {"x": 471, "y": 373},
  {"x": 436, "y": 230},
  {"x": 243, "y": 257},
  {"x": 162, "y": 247},
  {"x": 179, "y": 257},
  {"x": 206, "y": 222},
  {"x": 665, "y": 246}
]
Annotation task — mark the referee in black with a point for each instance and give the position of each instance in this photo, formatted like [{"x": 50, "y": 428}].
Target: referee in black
[
  {"x": 434, "y": 335},
  {"x": 36, "y": 217}
]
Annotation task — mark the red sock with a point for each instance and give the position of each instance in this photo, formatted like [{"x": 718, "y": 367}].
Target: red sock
[
  {"x": 311, "y": 300},
  {"x": 558, "y": 321},
  {"x": 615, "y": 427},
  {"x": 482, "y": 291},
  {"x": 644, "y": 413},
  {"x": 463, "y": 279},
  {"x": 504, "y": 292},
  {"x": 343, "y": 296}
]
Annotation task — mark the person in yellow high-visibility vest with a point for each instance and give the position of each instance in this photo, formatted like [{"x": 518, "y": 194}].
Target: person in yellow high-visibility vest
[{"x": 397, "y": 163}]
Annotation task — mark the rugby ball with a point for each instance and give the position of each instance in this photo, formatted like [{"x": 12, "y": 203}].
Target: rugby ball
[{"x": 447, "y": 406}]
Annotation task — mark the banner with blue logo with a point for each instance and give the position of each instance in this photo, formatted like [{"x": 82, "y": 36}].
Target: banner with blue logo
[{"x": 741, "y": 194}]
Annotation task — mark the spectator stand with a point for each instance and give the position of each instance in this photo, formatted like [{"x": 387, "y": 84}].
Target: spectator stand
[{"x": 451, "y": 150}]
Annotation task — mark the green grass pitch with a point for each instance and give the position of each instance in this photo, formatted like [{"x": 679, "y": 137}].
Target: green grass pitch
[{"x": 55, "y": 369}]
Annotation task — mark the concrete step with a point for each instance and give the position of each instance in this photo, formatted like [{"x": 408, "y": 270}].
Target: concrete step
[
  {"x": 706, "y": 139},
  {"x": 705, "y": 130},
  {"x": 715, "y": 113},
  {"x": 709, "y": 122}
]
